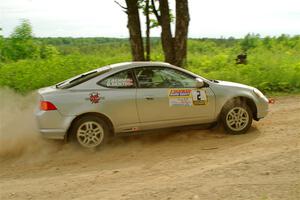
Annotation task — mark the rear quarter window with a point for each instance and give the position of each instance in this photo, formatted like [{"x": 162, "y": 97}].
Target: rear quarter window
[
  {"x": 81, "y": 78},
  {"x": 122, "y": 79}
]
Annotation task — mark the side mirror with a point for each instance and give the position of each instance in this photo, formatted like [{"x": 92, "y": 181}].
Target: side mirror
[{"x": 199, "y": 83}]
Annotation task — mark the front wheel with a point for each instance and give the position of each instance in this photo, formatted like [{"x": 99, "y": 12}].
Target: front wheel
[
  {"x": 236, "y": 118},
  {"x": 90, "y": 131}
]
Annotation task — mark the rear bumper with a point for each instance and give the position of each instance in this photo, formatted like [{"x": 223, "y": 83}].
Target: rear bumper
[
  {"x": 52, "y": 124},
  {"x": 53, "y": 133}
]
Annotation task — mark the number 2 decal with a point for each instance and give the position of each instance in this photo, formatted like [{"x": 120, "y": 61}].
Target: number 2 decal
[{"x": 198, "y": 95}]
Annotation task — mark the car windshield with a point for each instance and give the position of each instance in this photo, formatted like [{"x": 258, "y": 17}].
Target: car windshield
[{"x": 82, "y": 78}]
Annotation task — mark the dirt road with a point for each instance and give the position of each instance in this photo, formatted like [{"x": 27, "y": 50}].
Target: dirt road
[{"x": 194, "y": 164}]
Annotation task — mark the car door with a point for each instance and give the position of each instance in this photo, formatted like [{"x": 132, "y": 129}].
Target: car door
[
  {"x": 169, "y": 97},
  {"x": 119, "y": 102}
]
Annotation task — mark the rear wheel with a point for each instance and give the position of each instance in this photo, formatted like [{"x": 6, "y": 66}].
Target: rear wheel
[
  {"x": 236, "y": 118},
  {"x": 90, "y": 131}
]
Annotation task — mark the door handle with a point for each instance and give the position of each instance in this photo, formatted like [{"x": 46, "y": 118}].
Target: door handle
[{"x": 149, "y": 98}]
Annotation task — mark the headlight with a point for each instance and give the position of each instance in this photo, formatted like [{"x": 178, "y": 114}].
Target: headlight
[{"x": 258, "y": 93}]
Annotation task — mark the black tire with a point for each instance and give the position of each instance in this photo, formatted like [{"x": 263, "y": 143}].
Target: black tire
[
  {"x": 85, "y": 131},
  {"x": 236, "y": 117}
]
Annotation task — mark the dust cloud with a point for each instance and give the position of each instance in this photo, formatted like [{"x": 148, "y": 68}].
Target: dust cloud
[
  {"x": 19, "y": 136},
  {"x": 18, "y": 130}
]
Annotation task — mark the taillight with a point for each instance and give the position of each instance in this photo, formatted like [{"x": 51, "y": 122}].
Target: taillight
[{"x": 46, "y": 105}]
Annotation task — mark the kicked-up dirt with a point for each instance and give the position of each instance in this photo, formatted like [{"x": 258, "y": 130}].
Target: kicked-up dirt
[{"x": 185, "y": 164}]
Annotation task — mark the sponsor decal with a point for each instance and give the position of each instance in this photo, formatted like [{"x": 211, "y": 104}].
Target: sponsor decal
[
  {"x": 180, "y": 93},
  {"x": 199, "y": 97},
  {"x": 180, "y": 102},
  {"x": 123, "y": 82},
  {"x": 94, "y": 97},
  {"x": 187, "y": 97},
  {"x": 180, "y": 97}
]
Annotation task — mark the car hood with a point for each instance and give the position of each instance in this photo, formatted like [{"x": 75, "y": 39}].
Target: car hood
[{"x": 232, "y": 84}]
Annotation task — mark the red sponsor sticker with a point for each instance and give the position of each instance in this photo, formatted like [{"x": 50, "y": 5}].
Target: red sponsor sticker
[
  {"x": 94, "y": 97},
  {"x": 180, "y": 92}
]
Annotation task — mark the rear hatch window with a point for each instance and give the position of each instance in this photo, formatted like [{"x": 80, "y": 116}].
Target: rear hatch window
[{"x": 82, "y": 78}]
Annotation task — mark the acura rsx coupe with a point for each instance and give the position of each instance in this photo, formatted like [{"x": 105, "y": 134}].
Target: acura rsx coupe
[{"x": 138, "y": 96}]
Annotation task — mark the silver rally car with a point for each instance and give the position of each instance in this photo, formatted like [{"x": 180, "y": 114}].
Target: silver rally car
[{"x": 137, "y": 96}]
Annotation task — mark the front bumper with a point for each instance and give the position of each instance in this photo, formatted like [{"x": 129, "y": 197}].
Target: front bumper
[
  {"x": 52, "y": 124},
  {"x": 262, "y": 107}
]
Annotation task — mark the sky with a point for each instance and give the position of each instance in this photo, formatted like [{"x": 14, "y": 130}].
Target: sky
[{"x": 104, "y": 18}]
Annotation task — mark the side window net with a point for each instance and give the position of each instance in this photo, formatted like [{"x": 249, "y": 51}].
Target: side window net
[{"x": 158, "y": 77}]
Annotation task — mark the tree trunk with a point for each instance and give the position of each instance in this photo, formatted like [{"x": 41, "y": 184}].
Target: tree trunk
[
  {"x": 166, "y": 34},
  {"x": 147, "y": 31},
  {"x": 181, "y": 33},
  {"x": 136, "y": 42}
]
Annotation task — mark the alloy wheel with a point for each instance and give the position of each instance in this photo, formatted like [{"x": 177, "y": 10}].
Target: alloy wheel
[
  {"x": 90, "y": 134},
  {"x": 237, "y": 118}
]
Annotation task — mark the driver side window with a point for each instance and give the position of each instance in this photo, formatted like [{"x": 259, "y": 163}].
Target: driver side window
[{"x": 163, "y": 77}]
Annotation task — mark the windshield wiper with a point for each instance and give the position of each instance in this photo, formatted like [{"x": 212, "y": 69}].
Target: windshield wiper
[
  {"x": 57, "y": 85},
  {"x": 212, "y": 80},
  {"x": 82, "y": 76}
]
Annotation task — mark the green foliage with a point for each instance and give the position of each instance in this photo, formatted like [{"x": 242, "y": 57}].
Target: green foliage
[
  {"x": 152, "y": 8},
  {"x": 250, "y": 41},
  {"x": 26, "y": 75},
  {"x": 22, "y": 45},
  {"x": 1, "y": 47},
  {"x": 23, "y": 32},
  {"x": 273, "y": 62},
  {"x": 48, "y": 52}
]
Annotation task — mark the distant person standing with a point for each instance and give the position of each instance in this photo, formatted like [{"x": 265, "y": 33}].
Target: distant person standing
[{"x": 241, "y": 59}]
